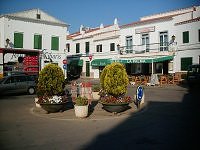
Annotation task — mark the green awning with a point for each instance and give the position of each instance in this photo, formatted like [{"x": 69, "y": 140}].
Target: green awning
[
  {"x": 100, "y": 62},
  {"x": 144, "y": 59},
  {"x": 76, "y": 62}
]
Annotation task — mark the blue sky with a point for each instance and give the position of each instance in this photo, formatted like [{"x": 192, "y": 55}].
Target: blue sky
[{"x": 94, "y": 12}]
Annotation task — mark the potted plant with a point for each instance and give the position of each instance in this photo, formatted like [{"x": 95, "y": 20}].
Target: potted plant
[
  {"x": 95, "y": 91},
  {"x": 50, "y": 88},
  {"x": 114, "y": 81},
  {"x": 81, "y": 107}
]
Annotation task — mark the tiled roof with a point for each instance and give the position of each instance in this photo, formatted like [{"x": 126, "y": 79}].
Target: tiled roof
[
  {"x": 147, "y": 21},
  {"x": 87, "y": 31},
  {"x": 188, "y": 21}
]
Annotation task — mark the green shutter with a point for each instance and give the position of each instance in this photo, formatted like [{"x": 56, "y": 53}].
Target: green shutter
[
  {"x": 199, "y": 35},
  {"x": 186, "y": 37},
  {"x": 112, "y": 46},
  {"x": 37, "y": 41},
  {"x": 185, "y": 62},
  {"x": 54, "y": 43},
  {"x": 77, "y": 47},
  {"x": 87, "y": 68},
  {"x": 18, "y": 40},
  {"x": 87, "y": 47}
]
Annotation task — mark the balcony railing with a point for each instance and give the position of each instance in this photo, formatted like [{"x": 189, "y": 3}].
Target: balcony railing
[{"x": 147, "y": 48}]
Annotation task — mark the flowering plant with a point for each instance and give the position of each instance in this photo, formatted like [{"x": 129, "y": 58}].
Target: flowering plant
[
  {"x": 109, "y": 99},
  {"x": 52, "y": 99}
]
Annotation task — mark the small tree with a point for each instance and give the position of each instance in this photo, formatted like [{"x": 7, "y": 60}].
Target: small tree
[
  {"x": 50, "y": 81},
  {"x": 114, "y": 79}
]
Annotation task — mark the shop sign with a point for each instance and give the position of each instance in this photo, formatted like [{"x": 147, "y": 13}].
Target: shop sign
[
  {"x": 52, "y": 56},
  {"x": 145, "y": 30}
]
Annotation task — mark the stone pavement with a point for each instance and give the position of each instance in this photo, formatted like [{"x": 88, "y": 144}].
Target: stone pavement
[{"x": 170, "y": 120}]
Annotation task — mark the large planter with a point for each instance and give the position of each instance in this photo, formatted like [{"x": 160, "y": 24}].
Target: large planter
[
  {"x": 52, "y": 108},
  {"x": 81, "y": 111},
  {"x": 116, "y": 108}
]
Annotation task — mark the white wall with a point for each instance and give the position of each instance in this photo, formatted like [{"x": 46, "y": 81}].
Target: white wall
[{"x": 29, "y": 29}]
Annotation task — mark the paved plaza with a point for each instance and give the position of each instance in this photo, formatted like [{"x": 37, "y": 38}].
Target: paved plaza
[{"x": 168, "y": 120}]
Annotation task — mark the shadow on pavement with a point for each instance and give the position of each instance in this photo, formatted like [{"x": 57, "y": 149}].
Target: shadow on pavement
[{"x": 164, "y": 125}]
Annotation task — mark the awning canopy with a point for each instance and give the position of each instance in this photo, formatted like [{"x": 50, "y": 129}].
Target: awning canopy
[
  {"x": 144, "y": 59},
  {"x": 19, "y": 51},
  {"x": 76, "y": 62},
  {"x": 100, "y": 62}
]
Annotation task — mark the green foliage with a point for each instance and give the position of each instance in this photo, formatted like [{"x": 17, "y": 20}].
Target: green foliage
[
  {"x": 114, "y": 79},
  {"x": 96, "y": 88},
  {"x": 81, "y": 101},
  {"x": 50, "y": 81}
]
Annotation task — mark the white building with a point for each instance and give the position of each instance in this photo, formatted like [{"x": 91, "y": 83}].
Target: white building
[
  {"x": 161, "y": 43},
  {"x": 31, "y": 33}
]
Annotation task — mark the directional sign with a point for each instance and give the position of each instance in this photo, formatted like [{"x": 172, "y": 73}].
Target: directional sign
[
  {"x": 139, "y": 93},
  {"x": 65, "y": 66}
]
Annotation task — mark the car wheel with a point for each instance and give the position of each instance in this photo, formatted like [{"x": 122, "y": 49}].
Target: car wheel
[{"x": 31, "y": 90}]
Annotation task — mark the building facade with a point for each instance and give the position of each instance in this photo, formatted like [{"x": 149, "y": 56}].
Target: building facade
[
  {"x": 158, "y": 44},
  {"x": 34, "y": 36}
]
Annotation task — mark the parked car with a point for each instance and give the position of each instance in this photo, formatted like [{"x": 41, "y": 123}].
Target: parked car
[
  {"x": 17, "y": 84},
  {"x": 193, "y": 75}
]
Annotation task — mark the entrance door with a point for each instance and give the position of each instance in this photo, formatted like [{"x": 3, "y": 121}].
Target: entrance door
[{"x": 87, "y": 68}]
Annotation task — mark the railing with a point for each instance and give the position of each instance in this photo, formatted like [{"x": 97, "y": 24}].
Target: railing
[{"x": 146, "y": 48}]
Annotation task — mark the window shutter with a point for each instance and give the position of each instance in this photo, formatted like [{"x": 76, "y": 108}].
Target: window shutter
[
  {"x": 185, "y": 62},
  {"x": 54, "y": 43},
  {"x": 186, "y": 37},
  {"x": 37, "y": 42},
  {"x": 18, "y": 40}
]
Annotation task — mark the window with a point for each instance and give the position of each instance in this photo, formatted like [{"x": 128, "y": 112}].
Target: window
[
  {"x": 54, "y": 43},
  {"x": 199, "y": 35},
  {"x": 145, "y": 42},
  {"x": 37, "y": 41},
  {"x": 38, "y": 16},
  {"x": 129, "y": 44},
  {"x": 99, "y": 48},
  {"x": 163, "y": 41},
  {"x": 112, "y": 46},
  {"x": 185, "y": 62},
  {"x": 77, "y": 47},
  {"x": 18, "y": 40},
  {"x": 68, "y": 47},
  {"x": 186, "y": 37},
  {"x": 87, "y": 47}
]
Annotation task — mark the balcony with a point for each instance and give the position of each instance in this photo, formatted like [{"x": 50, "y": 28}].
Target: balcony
[{"x": 147, "y": 48}]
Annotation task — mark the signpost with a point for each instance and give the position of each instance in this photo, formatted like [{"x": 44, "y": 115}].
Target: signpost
[{"x": 65, "y": 66}]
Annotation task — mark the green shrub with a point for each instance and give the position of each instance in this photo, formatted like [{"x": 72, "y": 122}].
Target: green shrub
[
  {"x": 96, "y": 88},
  {"x": 50, "y": 81},
  {"x": 114, "y": 79},
  {"x": 81, "y": 101}
]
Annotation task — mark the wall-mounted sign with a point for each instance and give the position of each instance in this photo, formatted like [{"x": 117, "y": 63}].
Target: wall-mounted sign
[
  {"x": 52, "y": 56},
  {"x": 145, "y": 30}
]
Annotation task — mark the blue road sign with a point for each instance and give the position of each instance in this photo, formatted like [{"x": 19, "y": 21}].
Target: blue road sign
[
  {"x": 139, "y": 93},
  {"x": 65, "y": 66}
]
